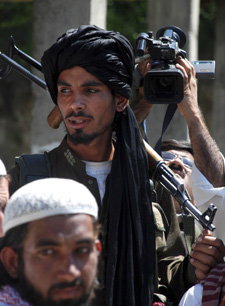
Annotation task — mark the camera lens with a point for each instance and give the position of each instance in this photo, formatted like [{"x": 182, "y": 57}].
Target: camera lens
[
  {"x": 164, "y": 85},
  {"x": 166, "y": 81}
]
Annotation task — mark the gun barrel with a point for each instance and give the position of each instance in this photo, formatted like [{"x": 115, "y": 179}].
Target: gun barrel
[
  {"x": 23, "y": 70},
  {"x": 166, "y": 177}
]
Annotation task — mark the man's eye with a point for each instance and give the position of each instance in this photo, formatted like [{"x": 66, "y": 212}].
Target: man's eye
[
  {"x": 64, "y": 90},
  {"x": 92, "y": 90},
  {"x": 83, "y": 250},
  {"x": 47, "y": 252}
]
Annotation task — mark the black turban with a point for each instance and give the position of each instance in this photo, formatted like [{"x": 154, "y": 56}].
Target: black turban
[
  {"x": 107, "y": 55},
  {"x": 128, "y": 238}
]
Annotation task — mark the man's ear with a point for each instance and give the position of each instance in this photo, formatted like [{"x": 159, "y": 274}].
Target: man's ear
[
  {"x": 121, "y": 102},
  {"x": 98, "y": 246},
  {"x": 9, "y": 259}
]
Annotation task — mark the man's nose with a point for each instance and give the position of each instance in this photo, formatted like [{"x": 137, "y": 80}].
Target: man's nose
[
  {"x": 176, "y": 161},
  {"x": 69, "y": 268},
  {"x": 78, "y": 102}
]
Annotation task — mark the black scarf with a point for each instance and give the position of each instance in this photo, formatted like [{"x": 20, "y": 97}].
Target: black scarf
[{"x": 127, "y": 218}]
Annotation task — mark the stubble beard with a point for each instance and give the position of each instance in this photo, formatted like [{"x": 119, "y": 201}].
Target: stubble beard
[{"x": 79, "y": 137}]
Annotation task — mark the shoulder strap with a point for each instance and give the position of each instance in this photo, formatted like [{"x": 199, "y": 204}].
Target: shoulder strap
[
  {"x": 171, "y": 109},
  {"x": 33, "y": 167}
]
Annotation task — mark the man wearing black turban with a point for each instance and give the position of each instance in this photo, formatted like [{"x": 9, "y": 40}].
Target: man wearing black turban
[{"x": 88, "y": 72}]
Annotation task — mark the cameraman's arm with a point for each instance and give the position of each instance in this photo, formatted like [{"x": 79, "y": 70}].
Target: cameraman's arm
[
  {"x": 207, "y": 155},
  {"x": 139, "y": 105}
]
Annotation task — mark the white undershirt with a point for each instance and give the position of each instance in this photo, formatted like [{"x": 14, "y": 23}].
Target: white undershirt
[
  {"x": 192, "y": 297},
  {"x": 100, "y": 171}
]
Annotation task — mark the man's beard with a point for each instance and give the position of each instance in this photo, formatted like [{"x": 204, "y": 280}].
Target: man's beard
[
  {"x": 35, "y": 298},
  {"x": 80, "y": 138}
]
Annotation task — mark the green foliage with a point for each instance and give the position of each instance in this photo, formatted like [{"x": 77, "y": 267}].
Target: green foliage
[
  {"x": 208, "y": 10},
  {"x": 206, "y": 29},
  {"x": 16, "y": 21},
  {"x": 127, "y": 17}
]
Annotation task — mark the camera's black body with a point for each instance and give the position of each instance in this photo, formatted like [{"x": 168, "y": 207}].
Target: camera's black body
[{"x": 163, "y": 83}]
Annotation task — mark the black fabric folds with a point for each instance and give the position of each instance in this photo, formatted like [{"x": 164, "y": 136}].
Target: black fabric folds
[
  {"x": 127, "y": 220},
  {"x": 126, "y": 215},
  {"x": 105, "y": 54}
]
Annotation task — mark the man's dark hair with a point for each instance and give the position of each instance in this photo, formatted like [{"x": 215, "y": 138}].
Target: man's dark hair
[
  {"x": 14, "y": 238},
  {"x": 181, "y": 145}
]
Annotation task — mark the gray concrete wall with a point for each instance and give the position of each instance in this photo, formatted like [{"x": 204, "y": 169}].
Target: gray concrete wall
[{"x": 51, "y": 19}]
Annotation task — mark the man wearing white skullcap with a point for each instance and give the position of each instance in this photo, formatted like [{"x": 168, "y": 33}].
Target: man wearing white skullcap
[
  {"x": 4, "y": 192},
  {"x": 49, "y": 252}
]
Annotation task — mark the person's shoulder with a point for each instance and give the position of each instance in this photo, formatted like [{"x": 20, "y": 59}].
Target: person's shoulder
[
  {"x": 160, "y": 218},
  {"x": 28, "y": 167},
  {"x": 161, "y": 226}
]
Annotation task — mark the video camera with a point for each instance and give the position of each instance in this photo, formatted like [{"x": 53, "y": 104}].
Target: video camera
[{"x": 164, "y": 83}]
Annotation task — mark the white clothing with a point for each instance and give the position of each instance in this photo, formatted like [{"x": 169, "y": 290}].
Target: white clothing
[
  {"x": 2, "y": 168},
  {"x": 204, "y": 193},
  {"x": 193, "y": 297},
  {"x": 100, "y": 171}
]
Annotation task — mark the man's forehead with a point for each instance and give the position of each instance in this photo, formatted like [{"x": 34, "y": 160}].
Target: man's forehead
[
  {"x": 64, "y": 219},
  {"x": 60, "y": 226}
]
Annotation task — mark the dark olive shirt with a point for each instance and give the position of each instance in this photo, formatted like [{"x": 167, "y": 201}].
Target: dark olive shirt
[{"x": 64, "y": 164}]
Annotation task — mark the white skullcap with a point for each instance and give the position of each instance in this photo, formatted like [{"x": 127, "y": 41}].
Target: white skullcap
[
  {"x": 48, "y": 197},
  {"x": 2, "y": 168}
]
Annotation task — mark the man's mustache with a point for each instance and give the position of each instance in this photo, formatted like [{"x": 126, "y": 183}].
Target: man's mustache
[
  {"x": 178, "y": 168},
  {"x": 78, "y": 114},
  {"x": 76, "y": 282}
]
